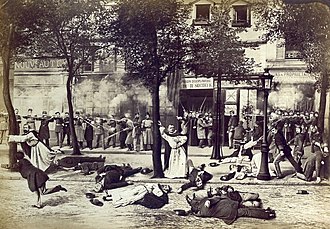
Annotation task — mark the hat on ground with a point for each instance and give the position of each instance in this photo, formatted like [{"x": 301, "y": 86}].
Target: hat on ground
[{"x": 146, "y": 171}]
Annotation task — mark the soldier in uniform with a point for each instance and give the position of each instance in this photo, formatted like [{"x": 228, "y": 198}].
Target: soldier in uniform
[
  {"x": 129, "y": 130},
  {"x": 112, "y": 130},
  {"x": 44, "y": 128},
  {"x": 3, "y": 126},
  {"x": 231, "y": 128},
  {"x": 59, "y": 122},
  {"x": 18, "y": 120},
  {"x": 137, "y": 133},
  {"x": 30, "y": 119},
  {"x": 146, "y": 127},
  {"x": 66, "y": 128},
  {"x": 89, "y": 131},
  {"x": 79, "y": 129},
  {"x": 99, "y": 132}
]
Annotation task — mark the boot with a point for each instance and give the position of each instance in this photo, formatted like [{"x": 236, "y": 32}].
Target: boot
[{"x": 278, "y": 171}]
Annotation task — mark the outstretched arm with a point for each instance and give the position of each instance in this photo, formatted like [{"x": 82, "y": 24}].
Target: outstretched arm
[{"x": 20, "y": 138}]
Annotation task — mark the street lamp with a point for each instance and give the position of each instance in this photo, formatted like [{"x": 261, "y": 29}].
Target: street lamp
[{"x": 266, "y": 83}]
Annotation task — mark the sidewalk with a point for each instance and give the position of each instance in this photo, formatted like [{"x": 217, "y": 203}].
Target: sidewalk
[{"x": 144, "y": 159}]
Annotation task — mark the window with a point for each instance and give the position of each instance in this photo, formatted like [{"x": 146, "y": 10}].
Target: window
[
  {"x": 202, "y": 16},
  {"x": 291, "y": 51},
  {"x": 88, "y": 66},
  {"x": 241, "y": 16}
]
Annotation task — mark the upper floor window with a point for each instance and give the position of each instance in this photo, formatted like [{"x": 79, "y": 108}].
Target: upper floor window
[
  {"x": 241, "y": 16},
  {"x": 202, "y": 16},
  {"x": 291, "y": 51}
]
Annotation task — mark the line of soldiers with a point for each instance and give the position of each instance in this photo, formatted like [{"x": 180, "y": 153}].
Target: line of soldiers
[{"x": 104, "y": 132}]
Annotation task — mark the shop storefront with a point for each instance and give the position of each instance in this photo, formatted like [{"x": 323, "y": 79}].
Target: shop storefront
[{"x": 198, "y": 95}]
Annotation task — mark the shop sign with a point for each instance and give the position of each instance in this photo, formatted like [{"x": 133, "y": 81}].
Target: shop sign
[
  {"x": 197, "y": 83},
  {"x": 39, "y": 64}
]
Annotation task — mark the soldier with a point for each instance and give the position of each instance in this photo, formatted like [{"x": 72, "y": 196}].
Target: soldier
[
  {"x": 129, "y": 130},
  {"x": 89, "y": 131},
  {"x": 137, "y": 133},
  {"x": 59, "y": 122},
  {"x": 146, "y": 127},
  {"x": 99, "y": 132},
  {"x": 3, "y": 126},
  {"x": 209, "y": 132},
  {"x": 79, "y": 129},
  {"x": 66, "y": 128},
  {"x": 30, "y": 119},
  {"x": 18, "y": 120},
  {"x": 231, "y": 128},
  {"x": 112, "y": 130},
  {"x": 201, "y": 132},
  {"x": 44, "y": 128}
]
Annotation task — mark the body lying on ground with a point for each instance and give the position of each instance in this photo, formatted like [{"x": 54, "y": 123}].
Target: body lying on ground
[
  {"x": 148, "y": 195},
  {"x": 226, "y": 207},
  {"x": 113, "y": 176}
]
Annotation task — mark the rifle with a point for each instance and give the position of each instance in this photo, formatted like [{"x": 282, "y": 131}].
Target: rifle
[{"x": 200, "y": 108}]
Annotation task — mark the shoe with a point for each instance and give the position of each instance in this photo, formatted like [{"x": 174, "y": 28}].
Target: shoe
[
  {"x": 37, "y": 206},
  {"x": 280, "y": 176},
  {"x": 90, "y": 195},
  {"x": 318, "y": 180},
  {"x": 96, "y": 202},
  {"x": 107, "y": 198},
  {"x": 63, "y": 189}
]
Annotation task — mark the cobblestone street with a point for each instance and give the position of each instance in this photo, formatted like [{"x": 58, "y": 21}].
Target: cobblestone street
[{"x": 73, "y": 210}]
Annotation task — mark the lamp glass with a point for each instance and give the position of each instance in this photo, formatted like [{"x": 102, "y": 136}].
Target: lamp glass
[{"x": 268, "y": 83}]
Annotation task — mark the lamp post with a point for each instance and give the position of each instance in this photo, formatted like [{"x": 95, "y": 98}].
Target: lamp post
[
  {"x": 266, "y": 82},
  {"x": 217, "y": 150}
]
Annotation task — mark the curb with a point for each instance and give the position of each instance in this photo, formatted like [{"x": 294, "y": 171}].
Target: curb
[{"x": 181, "y": 181}]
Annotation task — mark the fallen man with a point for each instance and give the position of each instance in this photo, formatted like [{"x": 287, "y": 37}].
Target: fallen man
[
  {"x": 36, "y": 178},
  {"x": 245, "y": 199},
  {"x": 197, "y": 177},
  {"x": 113, "y": 176},
  {"x": 225, "y": 208},
  {"x": 149, "y": 195}
]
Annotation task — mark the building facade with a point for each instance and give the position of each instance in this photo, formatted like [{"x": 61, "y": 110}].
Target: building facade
[{"x": 40, "y": 83}]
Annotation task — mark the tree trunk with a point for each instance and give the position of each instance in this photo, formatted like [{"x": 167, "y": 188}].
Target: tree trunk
[
  {"x": 12, "y": 125},
  {"x": 156, "y": 150},
  {"x": 323, "y": 100},
  {"x": 75, "y": 145}
]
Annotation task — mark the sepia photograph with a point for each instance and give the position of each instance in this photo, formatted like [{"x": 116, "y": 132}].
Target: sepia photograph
[{"x": 164, "y": 114}]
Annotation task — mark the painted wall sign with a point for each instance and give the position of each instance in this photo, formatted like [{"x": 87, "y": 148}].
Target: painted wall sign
[
  {"x": 197, "y": 83},
  {"x": 31, "y": 64}
]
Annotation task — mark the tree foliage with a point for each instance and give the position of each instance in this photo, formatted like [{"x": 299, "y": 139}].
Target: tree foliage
[
  {"x": 18, "y": 21},
  {"x": 154, "y": 40},
  {"x": 153, "y": 37},
  {"x": 304, "y": 28},
  {"x": 71, "y": 31}
]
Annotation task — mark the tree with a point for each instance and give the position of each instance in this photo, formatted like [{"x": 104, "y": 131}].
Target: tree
[
  {"x": 18, "y": 20},
  {"x": 306, "y": 28},
  {"x": 71, "y": 31},
  {"x": 219, "y": 53},
  {"x": 154, "y": 39}
]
